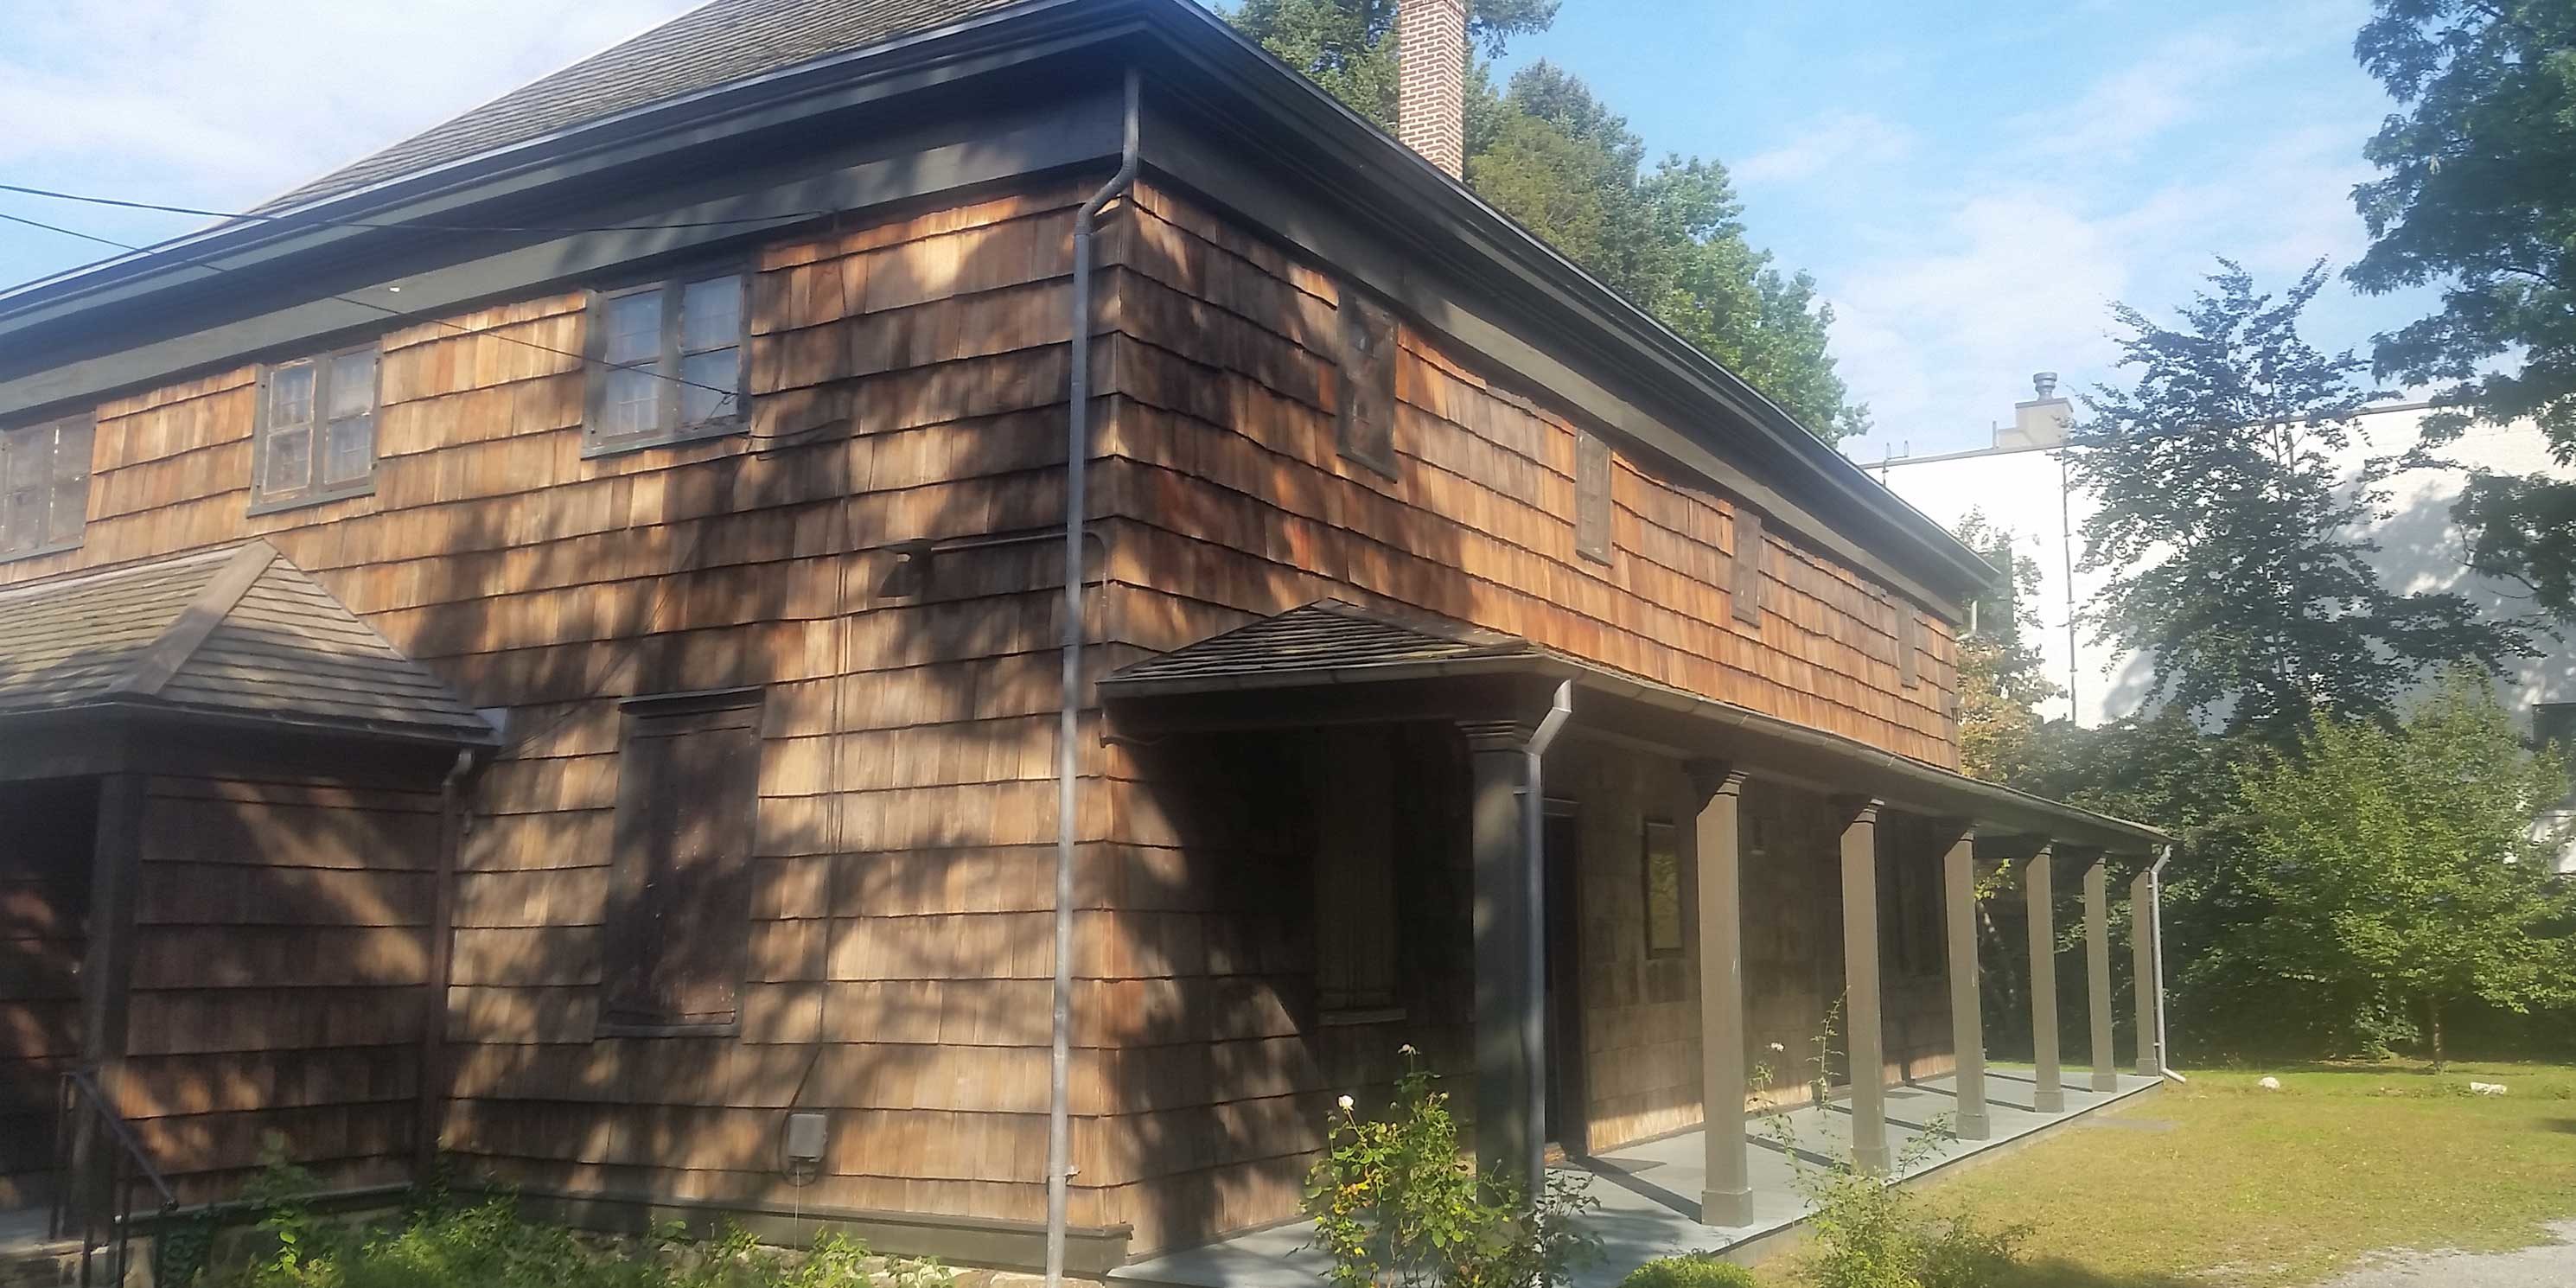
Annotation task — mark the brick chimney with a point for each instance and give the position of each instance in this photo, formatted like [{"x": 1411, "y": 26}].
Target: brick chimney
[{"x": 1431, "y": 81}]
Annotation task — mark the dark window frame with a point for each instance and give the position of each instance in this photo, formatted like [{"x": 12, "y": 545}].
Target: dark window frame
[
  {"x": 58, "y": 433},
  {"x": 316, "y": 488},
  {"x": 1593, "y": 468},
  {"x": 632, "y": 961},
  {"x": 669, "y": 359}
]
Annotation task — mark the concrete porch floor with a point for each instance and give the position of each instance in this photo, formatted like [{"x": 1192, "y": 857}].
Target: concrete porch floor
[{"x": 1649, "y": 1192}]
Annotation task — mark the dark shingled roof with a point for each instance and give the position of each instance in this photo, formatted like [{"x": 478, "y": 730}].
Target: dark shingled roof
[
  {"x": 699, "y": 50},
  {"x": 1328, "y": 635},
  {"x": 237, "y": 631},
  {"x": 1329, "y": 643}
]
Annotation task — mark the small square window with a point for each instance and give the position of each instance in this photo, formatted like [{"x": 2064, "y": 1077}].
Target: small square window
[
  {"x": 316, "y": 438},
  {"x": 667, "y": 362},
  {"x": 44, "y": 486}
]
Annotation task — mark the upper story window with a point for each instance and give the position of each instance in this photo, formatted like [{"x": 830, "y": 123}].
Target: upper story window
[
  {"x": 667, "y": 362},
  {"x": 44, "y": 486},
  {"x": 317, "y": 430}
]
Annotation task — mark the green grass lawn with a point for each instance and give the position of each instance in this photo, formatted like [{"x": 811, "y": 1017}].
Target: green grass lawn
[{"x": 2218, "y": 1183}]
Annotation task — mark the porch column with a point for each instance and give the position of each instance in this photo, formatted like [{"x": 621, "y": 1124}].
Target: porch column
[
  {"x": 1967, "y": 1023},
  {"x": 1503, "y": 850},
  {"x": 106, "y": 984},
  {"x": 2039, "y": 897},
  {"x": 1728, "y": 1196},
  {"x": 1860, "y": 983},
  {"x": 2097, "y": 971},
  {"x": 2142, "y": 964}
]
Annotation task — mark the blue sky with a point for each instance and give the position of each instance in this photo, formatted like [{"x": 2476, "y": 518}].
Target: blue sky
[{"x": 1971, "y": 184}]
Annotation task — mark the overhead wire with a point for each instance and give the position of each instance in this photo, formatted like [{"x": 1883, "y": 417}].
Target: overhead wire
[{"x": 406, "y": 225}]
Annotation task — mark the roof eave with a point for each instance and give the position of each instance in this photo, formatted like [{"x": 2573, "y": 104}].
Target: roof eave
[{"x": 1628, "y": 336}]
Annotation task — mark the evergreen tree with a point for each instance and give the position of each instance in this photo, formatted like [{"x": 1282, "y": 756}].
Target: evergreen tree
[
  {"x": 1546, "y": 151},
  {"x": 2232, "y": 536}
]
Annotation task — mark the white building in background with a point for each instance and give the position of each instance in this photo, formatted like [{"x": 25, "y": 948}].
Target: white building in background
[{"x": 2021, "y": 486}]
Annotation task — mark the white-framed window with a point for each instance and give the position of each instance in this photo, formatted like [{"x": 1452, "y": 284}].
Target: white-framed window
[
  {"x": 666, "y": 362},
  {"x": 44, "y": 486},
  {"x": 316, "y": 436}
]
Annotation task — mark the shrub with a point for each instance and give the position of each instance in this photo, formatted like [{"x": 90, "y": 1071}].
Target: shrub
[
  {"x": 1688, "y": 1272},
  {"x": 1865, "y": 1232},
  {"x": 487, "y": 1244},
  {"x": 1393, "y": 1203}
]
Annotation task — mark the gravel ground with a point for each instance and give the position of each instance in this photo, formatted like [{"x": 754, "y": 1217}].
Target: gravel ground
[{"x": 2551, "y": 1265}]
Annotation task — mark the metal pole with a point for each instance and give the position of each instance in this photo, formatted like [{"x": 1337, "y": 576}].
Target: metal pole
[
  {"x": 1077, "y": 459},
  {"x": 2066, "y": 561}
]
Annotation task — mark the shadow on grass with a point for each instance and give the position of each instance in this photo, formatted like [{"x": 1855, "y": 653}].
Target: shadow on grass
[
  {"x": 2057, "y": 1272},
  {"x": 2566, "y": 1126}
]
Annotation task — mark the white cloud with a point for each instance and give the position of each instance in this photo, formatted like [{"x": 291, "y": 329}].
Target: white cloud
[
  {"x": 238, "y": 99},
  {"x": 2009, "y": 264},
  {"x": 1834, "y": 141}
]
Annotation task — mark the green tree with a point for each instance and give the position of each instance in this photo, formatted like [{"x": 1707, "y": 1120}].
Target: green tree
[
  {"x": 2000, "y": 684},
  {"x": 2477, "y": 194},
  {"x": 2229, "y": 530},
  {"x": 2403, "y": 872},
  {"x": 1548, "y": 152}
]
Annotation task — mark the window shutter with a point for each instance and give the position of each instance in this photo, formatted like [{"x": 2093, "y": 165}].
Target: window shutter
[
  {"x": 1909, "y": 644},
  {"x": 1747, "y": 591},
  {"x": 1367, "y": 362},
  {"x": 1356, "y": 933},
  {"x": 1591, "y": 497},
  {"x": 687, "y": 801}
]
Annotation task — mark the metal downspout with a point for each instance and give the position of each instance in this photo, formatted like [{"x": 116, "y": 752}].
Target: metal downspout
[
  {"x": 1077, "y": 459},
  {"x": 2156, "y": 919},
  {"x": 1534, "y": 900}
]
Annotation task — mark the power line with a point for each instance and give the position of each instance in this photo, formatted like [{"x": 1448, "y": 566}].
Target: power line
[
  {"x": 124, "y": 204},
  {"x": 402, "y": 315}
]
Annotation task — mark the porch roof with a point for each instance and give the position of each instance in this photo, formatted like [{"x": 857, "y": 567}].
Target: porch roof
[
  {"x": 1338, "y": 659},
  {"x": 234, "y": 633}
]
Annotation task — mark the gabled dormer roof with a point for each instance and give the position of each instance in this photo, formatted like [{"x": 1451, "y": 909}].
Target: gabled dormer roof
[{"x": 237, "y": 632}]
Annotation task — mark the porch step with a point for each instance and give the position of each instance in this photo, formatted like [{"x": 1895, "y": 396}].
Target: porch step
[
  {"x": 29, "y": 1258},
  {"x": 39, "y": 1265}
]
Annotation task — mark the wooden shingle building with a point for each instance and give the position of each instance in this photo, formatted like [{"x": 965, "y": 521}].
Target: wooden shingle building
[{"x": 550, "y": 646}]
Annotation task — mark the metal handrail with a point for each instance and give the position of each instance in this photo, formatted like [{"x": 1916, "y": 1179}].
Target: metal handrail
[{"x": 127, "y": 1163}]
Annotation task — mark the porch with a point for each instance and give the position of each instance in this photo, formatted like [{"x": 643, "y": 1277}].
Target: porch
[
  {"x": 1649, "y": 1191},
  {"x": 1601, "y": 907}
]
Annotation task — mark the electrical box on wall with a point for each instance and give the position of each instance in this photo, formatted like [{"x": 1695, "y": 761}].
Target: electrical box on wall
[{"x": 803, "y": 1147}]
